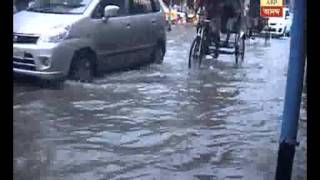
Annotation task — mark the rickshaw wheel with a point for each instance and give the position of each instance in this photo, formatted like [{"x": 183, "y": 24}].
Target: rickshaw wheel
[
  {"x": 236, "y": 48},
  {"x": 239, "y": 48},
  {"x": 242, "y": 48},
  {"x": 195, "y": 55}
]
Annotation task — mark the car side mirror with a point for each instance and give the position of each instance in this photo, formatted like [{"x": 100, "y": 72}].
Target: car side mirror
[{"x": 110, "y": 11}]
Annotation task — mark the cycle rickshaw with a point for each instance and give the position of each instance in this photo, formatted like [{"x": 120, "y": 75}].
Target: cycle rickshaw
[{"x": 197, "y": 50}]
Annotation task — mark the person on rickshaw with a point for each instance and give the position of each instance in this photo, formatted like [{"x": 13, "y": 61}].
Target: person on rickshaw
[
  {"x": 230, "y": 18},
  {"x": 213, "y": 13},
  {"x": 255, "y": 22},
  {"x": 222, "y": 15}
]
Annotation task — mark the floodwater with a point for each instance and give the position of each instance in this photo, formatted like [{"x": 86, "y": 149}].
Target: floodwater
[{"x": 219, "y": 122}]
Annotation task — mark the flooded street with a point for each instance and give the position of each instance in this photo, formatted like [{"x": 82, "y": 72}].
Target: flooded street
[{"x": 219, "y": 122}]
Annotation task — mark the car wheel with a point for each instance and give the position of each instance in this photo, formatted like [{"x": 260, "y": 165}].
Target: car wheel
[
  {"x": 158, "y": 55},
  {"x": 82, "y": 68}
]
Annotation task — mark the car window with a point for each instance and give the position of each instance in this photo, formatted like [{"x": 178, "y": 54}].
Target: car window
[
  {"x": 140, "y": 6},
  {"x": 98, "y": 13}
]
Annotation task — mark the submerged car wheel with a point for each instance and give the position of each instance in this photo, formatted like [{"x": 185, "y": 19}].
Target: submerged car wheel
[
  {"x": 158, "y": 55},
  {"x": 82, "y": 68}
]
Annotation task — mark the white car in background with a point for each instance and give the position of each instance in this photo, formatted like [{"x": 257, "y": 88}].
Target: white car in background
[{"x": 280, "y": 26}]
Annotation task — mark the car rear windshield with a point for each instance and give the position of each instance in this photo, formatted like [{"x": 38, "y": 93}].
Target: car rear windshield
[{"x": 59, "y": 6}]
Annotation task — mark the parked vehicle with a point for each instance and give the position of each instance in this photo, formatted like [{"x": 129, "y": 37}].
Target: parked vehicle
[
  {"x": 280, "y": 26},
  {"x": 79, "y": 39}
]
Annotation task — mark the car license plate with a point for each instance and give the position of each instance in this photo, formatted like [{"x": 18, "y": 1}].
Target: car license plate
[{"x": 18, "y": 53}]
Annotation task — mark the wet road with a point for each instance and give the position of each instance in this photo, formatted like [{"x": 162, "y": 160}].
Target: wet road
[{"x": 160, "y": 121}]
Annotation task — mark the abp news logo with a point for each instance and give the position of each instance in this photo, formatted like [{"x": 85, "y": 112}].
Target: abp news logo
[{"x": 271, "y": 8}]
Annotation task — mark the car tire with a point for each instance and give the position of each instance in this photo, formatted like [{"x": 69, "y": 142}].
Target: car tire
[
  {"x": 82, "y": 68},
  {"x": 158, "y": 55}
]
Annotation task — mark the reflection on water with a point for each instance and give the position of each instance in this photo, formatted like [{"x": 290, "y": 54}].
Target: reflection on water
[{"x": 159, "y": 122}]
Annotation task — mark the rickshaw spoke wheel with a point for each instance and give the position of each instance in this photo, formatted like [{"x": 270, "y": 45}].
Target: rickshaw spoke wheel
[
  {"x": 242, "y": 48},
  {"x": 236, "y": 48},
  {"x": 194, "y": 54}
]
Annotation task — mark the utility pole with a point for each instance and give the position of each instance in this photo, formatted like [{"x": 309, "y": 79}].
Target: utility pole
[{"x": 291, "y": 113}]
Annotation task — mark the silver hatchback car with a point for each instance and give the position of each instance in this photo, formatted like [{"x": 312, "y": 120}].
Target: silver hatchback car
[{"x": 80, "y": 38}]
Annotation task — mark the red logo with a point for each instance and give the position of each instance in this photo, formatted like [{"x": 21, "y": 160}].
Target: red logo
[{"x": 271, "y": 11}]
